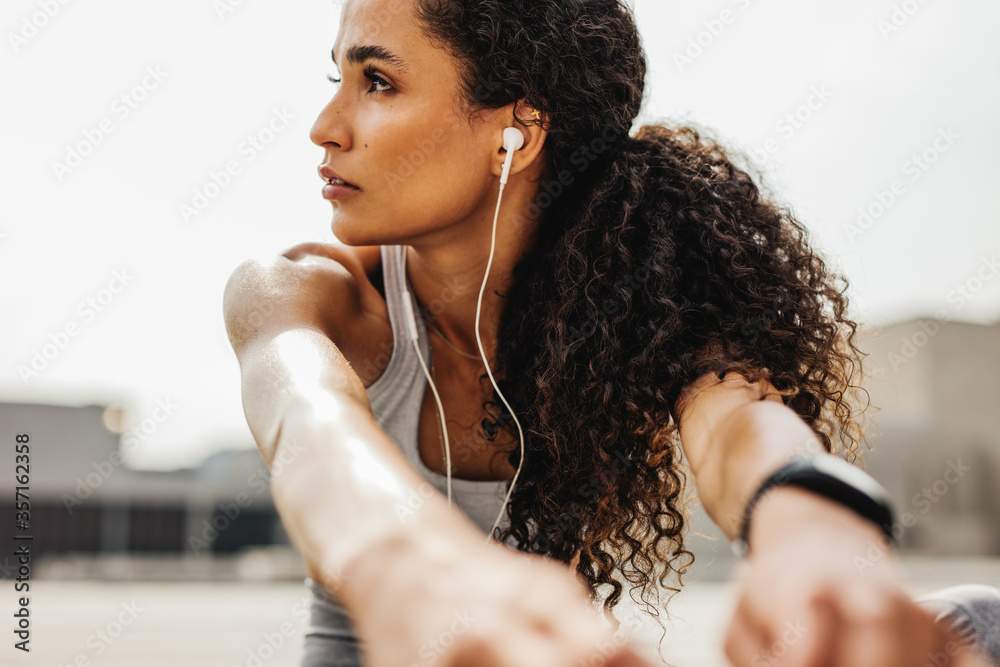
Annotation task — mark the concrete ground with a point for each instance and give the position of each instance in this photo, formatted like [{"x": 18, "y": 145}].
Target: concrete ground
[{"x": 90, "y": 623}]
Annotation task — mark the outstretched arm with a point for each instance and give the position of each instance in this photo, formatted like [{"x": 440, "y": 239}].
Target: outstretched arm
[
  {"x": 820, "y": 587},
  {"x": 309, "y": 413},
  {"x": 408, "y": 578}
]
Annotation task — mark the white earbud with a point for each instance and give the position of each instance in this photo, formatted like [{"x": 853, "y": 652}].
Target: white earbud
[{"x": 513, "y": 140}]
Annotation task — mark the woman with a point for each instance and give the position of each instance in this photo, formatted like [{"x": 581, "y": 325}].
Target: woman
[{"x": 624, "y": 278}]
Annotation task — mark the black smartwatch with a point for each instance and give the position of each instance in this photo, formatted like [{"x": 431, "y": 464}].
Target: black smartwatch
[{"x": 833, "y": 478}]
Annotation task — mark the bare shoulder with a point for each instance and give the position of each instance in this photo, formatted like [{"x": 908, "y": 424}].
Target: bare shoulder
[
  {"x": 314, "y": 285},
  {"x": 359, "y": 260}
]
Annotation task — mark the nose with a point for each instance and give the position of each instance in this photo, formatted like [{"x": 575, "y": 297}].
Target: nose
[{"x": 331, "y": 127}]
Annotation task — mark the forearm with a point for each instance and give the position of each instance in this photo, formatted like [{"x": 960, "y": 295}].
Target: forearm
[
  {"x": 347, "y": 494},
  {"x": 300, "y": 365},
  {"x": 342, "y": 487},
  {"x": 753, "y": 441}
]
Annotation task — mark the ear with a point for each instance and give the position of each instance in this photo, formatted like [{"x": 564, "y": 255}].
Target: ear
[{"x": 534, "y": 131}]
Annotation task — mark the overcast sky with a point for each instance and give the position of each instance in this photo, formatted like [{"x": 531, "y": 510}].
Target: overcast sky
[{"x": 855, "y": 106}]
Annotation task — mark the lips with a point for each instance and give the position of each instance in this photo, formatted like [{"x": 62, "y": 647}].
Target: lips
[{"x": 333, "y": 178}]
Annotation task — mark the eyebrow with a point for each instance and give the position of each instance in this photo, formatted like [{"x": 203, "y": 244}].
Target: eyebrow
[{"x": 358, "y": 54}]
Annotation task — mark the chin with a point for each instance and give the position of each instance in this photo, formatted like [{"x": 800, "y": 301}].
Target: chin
[{"x": 349, "y": 233}]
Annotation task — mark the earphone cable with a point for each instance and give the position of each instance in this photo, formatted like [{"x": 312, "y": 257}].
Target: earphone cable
[
  {"x": 513, "y": 141},
  {"x": 437, "y": 398},
  {"x": 479, "y": 340}
]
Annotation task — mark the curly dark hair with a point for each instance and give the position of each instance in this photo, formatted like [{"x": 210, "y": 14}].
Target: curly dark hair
[{"x": 657, "y": 260}]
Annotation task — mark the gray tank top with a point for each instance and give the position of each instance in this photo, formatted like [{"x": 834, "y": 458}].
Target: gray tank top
[{"x": 396, "y": 397}]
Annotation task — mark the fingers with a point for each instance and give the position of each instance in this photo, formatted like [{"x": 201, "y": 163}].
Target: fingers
[
  {"x": 814, "y": 642},
  {"x": 538, "y": 648},
  {"x": 805, "y": 639},
  {"x": 875, "y": 630},
  {"x": 868, "y": 627},
  {"x": 746, "y": 643}
]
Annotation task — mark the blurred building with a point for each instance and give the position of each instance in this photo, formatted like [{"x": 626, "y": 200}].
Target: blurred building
[
  {"x": 85, "y": 501},
  {"x": 936, "y": 440},
  {"x": 934, "y": 433}
]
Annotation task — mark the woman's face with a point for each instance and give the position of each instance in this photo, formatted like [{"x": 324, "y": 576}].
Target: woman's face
[{"x": 395, "y": 129}]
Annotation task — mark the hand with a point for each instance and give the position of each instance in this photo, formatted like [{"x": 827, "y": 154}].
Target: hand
[
  {"x": 814, "y": 594},
  {"x": 458, "y": 603}
]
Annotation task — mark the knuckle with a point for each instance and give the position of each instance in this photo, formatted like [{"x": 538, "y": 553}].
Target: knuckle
[
  {"x": 874, "y": 610},
  {"x": 472, "y": 648},
  {"x": 731, "y": 648}
]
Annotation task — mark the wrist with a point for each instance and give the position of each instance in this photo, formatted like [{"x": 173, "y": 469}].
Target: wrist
[
  {"x": 430, "y": 542},
  {"x": 830, "y": 478},
  {"x": 789, "y": 513}
]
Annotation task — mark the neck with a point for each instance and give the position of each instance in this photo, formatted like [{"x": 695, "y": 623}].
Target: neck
[{"x": 446, "y": 279}]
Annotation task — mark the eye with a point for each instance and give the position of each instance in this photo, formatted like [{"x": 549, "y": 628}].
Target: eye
[
  {"x": 377, "y": 80},
  {"x": 333, "y": 79}
]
